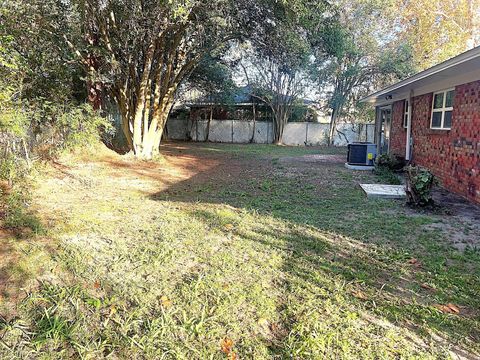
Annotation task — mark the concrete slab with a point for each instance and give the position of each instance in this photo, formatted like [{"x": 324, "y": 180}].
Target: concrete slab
[
  {"x": 359, "y": 167},
  {"x": 384, "y": 191}
]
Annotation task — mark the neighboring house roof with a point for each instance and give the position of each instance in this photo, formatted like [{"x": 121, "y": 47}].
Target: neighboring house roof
[
  {"x": 461, "y": 69},
  {"x": 242, "y": 96}
]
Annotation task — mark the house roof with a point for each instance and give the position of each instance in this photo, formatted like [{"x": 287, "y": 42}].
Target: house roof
[
  {"x": 242, "y": 96},
  {"x": 461, "y": 69}
]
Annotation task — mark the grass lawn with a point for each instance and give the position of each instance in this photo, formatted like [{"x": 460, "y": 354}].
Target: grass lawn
[{"x": 233, "y": 251}]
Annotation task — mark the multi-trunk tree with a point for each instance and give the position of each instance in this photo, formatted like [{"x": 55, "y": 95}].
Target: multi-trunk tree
[
  {"x": 277, "y": 84},
  {"x": 276, "y": 65},
  {"x": 140, "y": 52}
]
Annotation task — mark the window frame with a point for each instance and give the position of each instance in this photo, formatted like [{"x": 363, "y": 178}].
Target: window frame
[
  {"x": 405, "y": 113},
  {"x": 441, "y": 110}
]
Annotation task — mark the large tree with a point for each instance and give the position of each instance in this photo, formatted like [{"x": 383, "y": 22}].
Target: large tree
[
  {"x": 439, "y": 29},
  {"x": 141, "y": 51},
  {"x": 357, "y": 54}
]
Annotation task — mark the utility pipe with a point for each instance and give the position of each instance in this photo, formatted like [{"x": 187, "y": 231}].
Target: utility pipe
[{"x": 408, "y": 155}]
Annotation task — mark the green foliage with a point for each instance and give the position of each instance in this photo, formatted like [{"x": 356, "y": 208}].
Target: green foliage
[
  {"x": 17, "y": 215},
  {"x": 13, "y": 168},
  {"x": 438, "y": 30},
  {"x": 388, "y": 161},
  {"x": 385, "y": 167},
  {"x": 81, "y": 126},
  {"x": 302, "y": 113},
  {"x": 420, "y": 182},
  {"x": 360, "y": 51},
  {"x": 213, "y": 78}
]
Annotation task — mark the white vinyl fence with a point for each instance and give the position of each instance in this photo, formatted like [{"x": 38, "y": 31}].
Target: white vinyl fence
[{"x": 260, "y": 132}]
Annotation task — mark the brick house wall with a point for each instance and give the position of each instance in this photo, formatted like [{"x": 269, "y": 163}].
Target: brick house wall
[
  {"x": 398, "y": 134},
  {"x": 452, "y": 155}
]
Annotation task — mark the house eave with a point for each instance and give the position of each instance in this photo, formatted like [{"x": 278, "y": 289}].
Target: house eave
[{"x": 457, "y": 65}]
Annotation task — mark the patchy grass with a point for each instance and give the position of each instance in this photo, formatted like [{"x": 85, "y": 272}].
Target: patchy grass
[
  {"x": 387, "y": 176},
  {"x": 274, "y": 248}
]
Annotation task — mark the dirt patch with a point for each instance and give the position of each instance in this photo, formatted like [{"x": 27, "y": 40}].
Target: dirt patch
[
  {"x": 10, "y": 282},
  {"x": 314, "y": 158},
  {"x": 458, "y": 220}
]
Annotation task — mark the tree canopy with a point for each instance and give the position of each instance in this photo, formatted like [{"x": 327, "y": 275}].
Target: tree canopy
[{"x": 135, "y": 56}]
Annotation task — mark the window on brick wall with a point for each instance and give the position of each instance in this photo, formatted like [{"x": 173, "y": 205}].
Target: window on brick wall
[
  {"x": 405, "y": 114},
  {"x": 442, "y": 109}
]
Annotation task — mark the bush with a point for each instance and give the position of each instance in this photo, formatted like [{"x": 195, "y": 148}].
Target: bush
[
  {"x": 17, "y": 216},
  {"x": 81, "y": 126},
  {"x": 389, "y": 161},
  {"x": 55, "y": 128},
  {"x": 13, "y": 168},
  {"x": 385, "y": 165},
  {"x": 420, "y": 182}
]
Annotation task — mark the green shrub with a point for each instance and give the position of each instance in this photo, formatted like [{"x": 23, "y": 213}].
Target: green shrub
[
  {"x": 17, "y": 216},
  {"x": 13, "y": 168},
  {"x": 81, "y": 126},
  {"x": 388, "y": 161},
  {"x": 420, "y": 182}
]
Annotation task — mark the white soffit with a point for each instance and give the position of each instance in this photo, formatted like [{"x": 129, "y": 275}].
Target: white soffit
[{"x": 459, "y": 70}]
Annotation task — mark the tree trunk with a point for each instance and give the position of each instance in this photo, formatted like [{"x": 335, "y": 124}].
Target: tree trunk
[
  {"x": 94, "y": 94},
  {"x": 208, "y": 123},
  {"x": 333, "y": 124},
  {"x": 149, "y": 130},
  {"x": 254, "y": 123},
  {"x": 279, "y": 120},
  {"x": 140, "y": 136}
]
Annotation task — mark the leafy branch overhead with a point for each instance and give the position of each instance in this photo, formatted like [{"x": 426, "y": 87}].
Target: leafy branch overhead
[{"x": 137, "y": 57}]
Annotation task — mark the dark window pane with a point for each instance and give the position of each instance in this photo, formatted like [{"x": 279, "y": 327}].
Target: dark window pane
[
  {"x": 438, "y": 101},
  {"x": 447, "y": 123},
  {"x": 449, "y": 99},
  {"x": 405, "y": 120},
  {"x": 437, "y": 119}
]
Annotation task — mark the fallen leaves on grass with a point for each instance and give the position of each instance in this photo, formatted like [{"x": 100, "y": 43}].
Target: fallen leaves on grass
[
  {"x": 165, "y": 301},
  {"x": 226, "y": 345},
  {"x": 360, "y": 295},
  {"x": 415, "y": 263},
  {"x": 264, "y": 326},
  {"x": 228, "y": 227},
  {"x": 232, "y": 356},
  {"x": 427, "y": 287},
  {"x": 96, "y": 285},
  {"x": 448, "y": 308}
]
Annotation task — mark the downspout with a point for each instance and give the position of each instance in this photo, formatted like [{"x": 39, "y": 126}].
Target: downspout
[{"x": 408, "y": 155}]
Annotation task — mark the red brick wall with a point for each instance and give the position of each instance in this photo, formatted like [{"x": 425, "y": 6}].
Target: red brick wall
[
  {"x": 452, "y": 155},
  {"x": 398, "y": 134}
]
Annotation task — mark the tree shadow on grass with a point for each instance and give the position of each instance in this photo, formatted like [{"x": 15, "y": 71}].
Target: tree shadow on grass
[{"x": 394, "y": 269}]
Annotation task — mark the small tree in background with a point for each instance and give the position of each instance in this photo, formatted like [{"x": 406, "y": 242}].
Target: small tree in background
[
  {"x": 278, "y": 86},
  {"x": 213, "y": 83},
  {"x": 357, "y": 53},
  {"x": 276, "y": 66}
]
